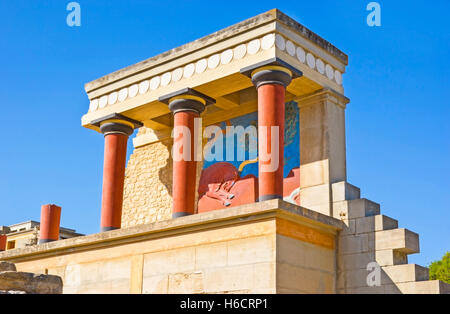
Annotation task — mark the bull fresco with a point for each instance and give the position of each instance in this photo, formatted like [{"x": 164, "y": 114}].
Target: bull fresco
[{"x": 227, "y": 182}]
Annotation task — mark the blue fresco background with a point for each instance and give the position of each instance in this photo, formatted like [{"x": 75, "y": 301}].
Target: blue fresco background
[{"x": 291, "y": 141}]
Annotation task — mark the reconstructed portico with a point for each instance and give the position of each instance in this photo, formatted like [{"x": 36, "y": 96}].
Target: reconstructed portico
[
  {"x": 191, "y": 225},
  {"x": 257, "y": 65}
]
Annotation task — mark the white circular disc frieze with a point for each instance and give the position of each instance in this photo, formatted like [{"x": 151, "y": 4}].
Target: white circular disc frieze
[
  {"x": 189, "y": 70},
  {"x": 280, "y": 42},
  {"x": 290, "y": 48},
  {"x": 310, "y": 60},
  {"x": 154, "y": 82},
  {"x": 201, "y": 66},
  {"x": 123, "y": 94},
  {"x": 301, "y": 55},
  {"x": 133, "y": 90},
  {"x": 268, "y": 41},
  {"x": 143, "y": 87},
  {"x": 103, "y": 101},
  {"x": 253, "y": 46},
  {"x": 165, "y": 78},
  {"x": 338, "y": 77},
  {"x": 240, "y": 51},
  {"x": 213, "y": 61},
  {"x": 320, "y": 66},
  {"x": 226, "y": 56},
  {"x": 177, "y": 74},
  {"x": 112, "y": 98},
  {"x": 93, "y": 105},
  {"x": 329, "y": 71}
]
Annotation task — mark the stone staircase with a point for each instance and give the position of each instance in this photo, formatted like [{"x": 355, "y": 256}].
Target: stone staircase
[{"x": 373, "y": 237}]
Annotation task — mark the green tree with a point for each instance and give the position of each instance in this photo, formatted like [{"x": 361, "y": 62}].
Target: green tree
[{"x": 440, "y": 270}]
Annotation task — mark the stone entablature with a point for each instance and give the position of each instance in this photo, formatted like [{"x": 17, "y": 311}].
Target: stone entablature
[{"x": 212, "y": 65}]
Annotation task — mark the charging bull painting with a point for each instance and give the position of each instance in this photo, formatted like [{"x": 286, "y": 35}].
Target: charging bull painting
[{"x": 230, "y": 178}]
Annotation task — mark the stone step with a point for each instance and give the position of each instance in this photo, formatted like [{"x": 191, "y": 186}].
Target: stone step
[
  {"x": 357, "y": 208},
  {"x": 422, "y": 287},
  {"x": 375, "y": 223},
  {"x": 402, "y": 240},
  {"x": 406, "y": 273},
  {"x": 342, "y": 191},
  {"x": 390, "y": 257}
]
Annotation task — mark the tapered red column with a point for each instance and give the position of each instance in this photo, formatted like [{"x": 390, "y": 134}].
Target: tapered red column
[
  {"x": 50, "y": 221},
  {"x": 186, "y": 105},
  {"x": 116, "y": 129},
  {"x": 184, "y": 169},
  {"x": 3, "y": 240},
  {"x": 271, "y": 82}
]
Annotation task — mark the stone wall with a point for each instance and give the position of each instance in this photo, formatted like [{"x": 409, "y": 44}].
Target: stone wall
[
  {"x": 148, "y": 183},
  {"x": 266, "y": 247}
]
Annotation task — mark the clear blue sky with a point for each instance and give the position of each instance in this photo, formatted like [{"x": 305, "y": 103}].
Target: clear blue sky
[{"x": 397, "y": 79}]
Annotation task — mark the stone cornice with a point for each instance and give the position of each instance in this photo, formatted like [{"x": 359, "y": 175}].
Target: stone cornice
[
  {"x": 282, "y": 45},
  {"x": 213, "y": 65},
  {"x": 244, "y": 26}
]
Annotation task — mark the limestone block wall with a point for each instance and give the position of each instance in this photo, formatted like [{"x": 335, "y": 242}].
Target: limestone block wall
[
  {"x": 267, "y": 247},
  {"x": 148, "y": 183}
]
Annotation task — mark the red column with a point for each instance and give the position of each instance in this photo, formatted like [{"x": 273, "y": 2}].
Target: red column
[
  {"x": 50, "y": 220},
  {"x": 271, "y": 114},
  {"x": 113, "y": 180},
  {"x": 3, "y": 240},
  {"x": 184, "y": 171},
  {"x": 116, "y": 129},
  {"x": 271, "y": 82},
  {"x": 186, "y": 105}
]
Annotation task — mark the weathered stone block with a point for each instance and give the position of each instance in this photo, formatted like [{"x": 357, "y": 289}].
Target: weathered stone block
[
  {"x": 210, "y": 256},
  {"x": 390, "y": 257},
  {"x": 228, "y": 279},
  {"x": 402, "y": 240},
  {"x": 351, "y": 227},
  {"x": 157, "y": 284},
  {"x": 186, "y": 283},
  {"x": 355, "y": 209},
  {"x": 375, "y": 223},
  {"x": 303, "y": 279},
  {"x": 342, "y": 191},
  {"x": 353, "y": 244},
  {"x": 424, "y": 287},
  {"x": 407, "y": 272},
  {"x": 30, "y": 283},
  {"x": 7, "y": 266},
  {"x": 251, "y": 250},
  {"x": 355, "y": 261}
]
